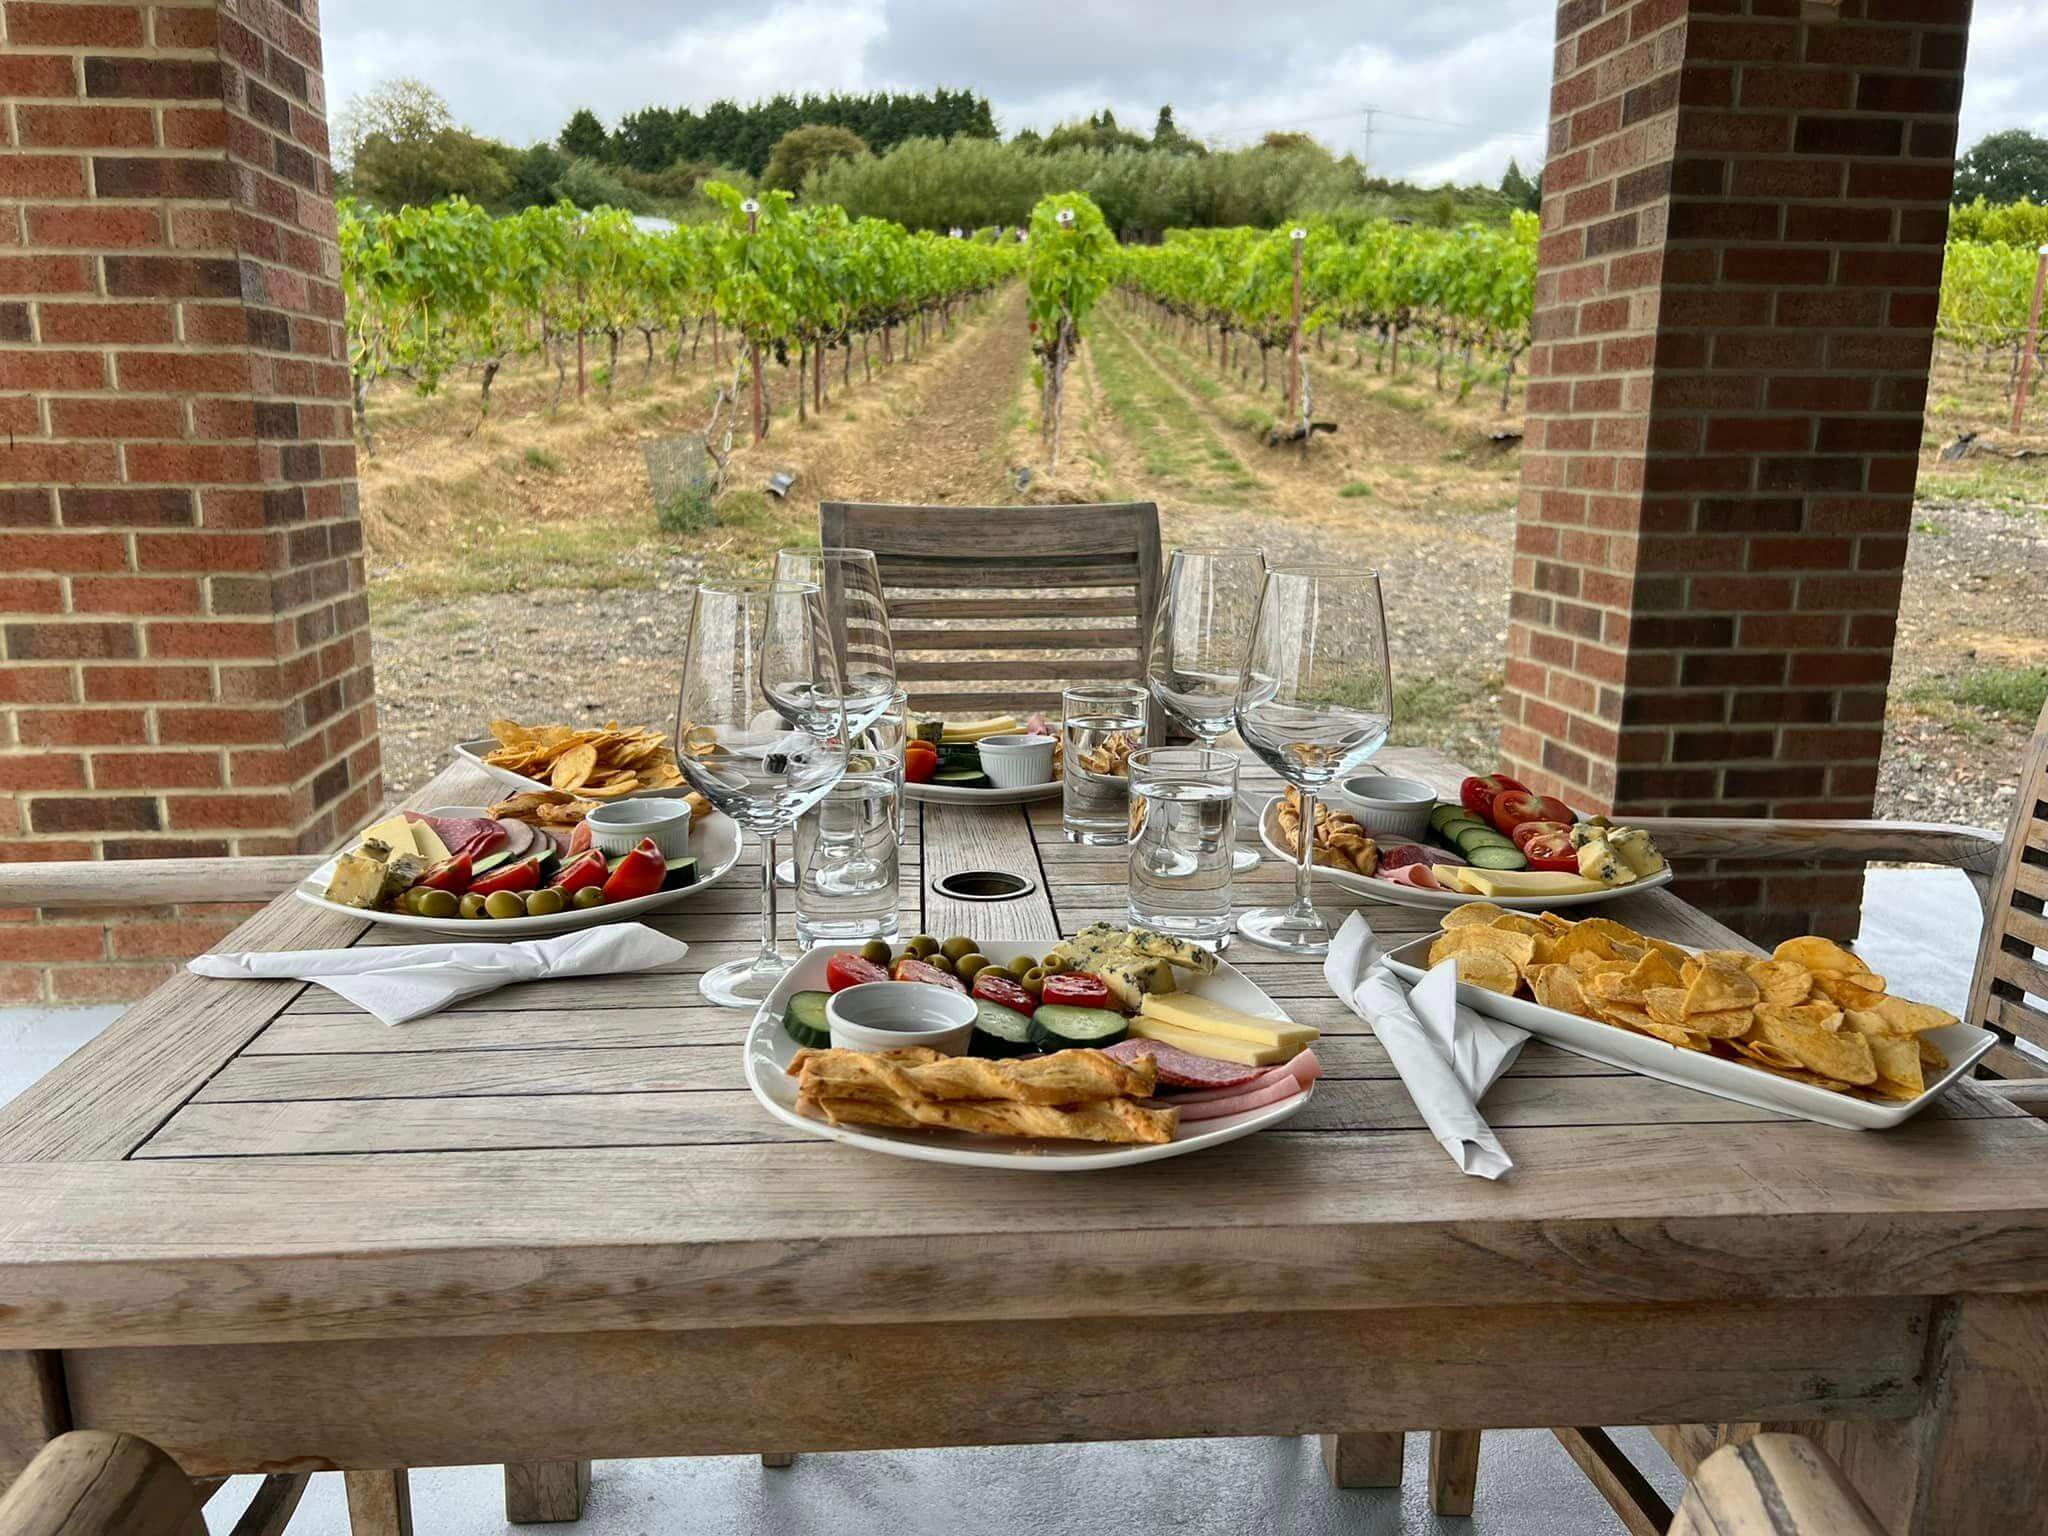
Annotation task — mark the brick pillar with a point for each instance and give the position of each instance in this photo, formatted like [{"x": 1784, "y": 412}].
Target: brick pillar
[
  {"x": 1743, "y": 221},
  {"x": 186, "y": 657}
]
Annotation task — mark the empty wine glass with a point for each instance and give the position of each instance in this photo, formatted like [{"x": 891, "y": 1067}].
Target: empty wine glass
[
  {"x": 1316, "y": 700},
  {"x": 849, "y": 583},
  {"x": 761, "y": 732},
  {"x": 1199, "y": 641}
]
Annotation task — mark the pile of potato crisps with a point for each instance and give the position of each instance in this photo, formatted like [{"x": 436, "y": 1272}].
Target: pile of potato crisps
[
  {"x": 1810, "y": 1011},
  {"x": 598, "y": 764}
]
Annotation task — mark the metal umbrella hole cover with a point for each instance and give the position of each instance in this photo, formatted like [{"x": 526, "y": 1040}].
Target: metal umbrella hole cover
[{"x": 984, "y": 885}]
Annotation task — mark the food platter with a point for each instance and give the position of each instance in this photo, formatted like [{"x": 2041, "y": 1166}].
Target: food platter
[
  {"x": 769, "y": 1051},
  {"x": 950, "y": 794},
  {"x": 1440, "y": 901},
  {"x": 472, "y": 752},
  {"x": 714, "y": 843},
  {"x": 1962, "y": 1044}
]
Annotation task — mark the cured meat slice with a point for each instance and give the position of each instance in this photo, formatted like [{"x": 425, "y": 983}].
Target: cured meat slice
[
  {"x": 1257, "y": 1096},
  {"x": 479, "y": 834},
  {"x": 1184, "y": 1069},
  {"x": 1417, "y": 875},
  {"x": 1302, "y": 1070},
  {"x": 1398, "y": 855}
]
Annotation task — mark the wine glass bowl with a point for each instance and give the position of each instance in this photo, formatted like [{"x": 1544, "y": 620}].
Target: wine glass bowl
[
  {"x": 853, "y": 627},
  {"x": 1316, "y": 700}
]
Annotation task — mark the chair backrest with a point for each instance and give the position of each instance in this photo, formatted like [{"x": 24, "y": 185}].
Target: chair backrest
[
  {"x": 994, "y": 609},
  {"x": 2010, "y": 992}
]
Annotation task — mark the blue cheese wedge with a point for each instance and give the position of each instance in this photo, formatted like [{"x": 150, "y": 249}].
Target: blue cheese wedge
[
  {"x": 358, "y": 880},
  {"x": 1181, "y": 952},
  {"x": 1598, "y": 861},
  {"x": 1636, "y": 849}
]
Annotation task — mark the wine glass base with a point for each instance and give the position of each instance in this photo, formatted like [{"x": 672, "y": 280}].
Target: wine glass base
[
  {"x": 785, "y": 872},
  {"x": 743, "y": 983},
  {"x": 1244, "y": 860},
  {"x": 1286, "y": 930}
]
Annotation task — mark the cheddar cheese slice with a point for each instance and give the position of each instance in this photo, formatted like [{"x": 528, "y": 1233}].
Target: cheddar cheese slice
[
  {"x": 1247, "y": 1053},
  {"x": 396, "y": 833},
  {"x": 1206, "y": 1016}
]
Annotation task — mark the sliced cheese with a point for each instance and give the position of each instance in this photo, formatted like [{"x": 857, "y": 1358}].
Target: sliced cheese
[
  {"x": 427, "y": 842},
  {"x": 1246, "y": 1053},
  {"x": 395, "y": 832},
  {"x": 1206, "y": 1016},
  {"x": 1526, "y": 882}
]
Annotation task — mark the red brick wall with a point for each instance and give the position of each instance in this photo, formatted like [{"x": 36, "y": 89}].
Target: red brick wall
[
  {"x": 182, "y": 607},
  {"x": 1743, "y": 219}
]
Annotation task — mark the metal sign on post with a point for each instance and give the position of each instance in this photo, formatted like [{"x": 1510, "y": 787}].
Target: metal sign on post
[{"x": 2019, "y": 399}]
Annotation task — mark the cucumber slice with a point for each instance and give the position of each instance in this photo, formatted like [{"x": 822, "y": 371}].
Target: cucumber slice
[
  {"x": 1057, "y": 1027},
  {"x": 804, "y": 1019},
  {"x": 961, "y": 778},
  {"x": 1448, "y": 810},
  {"x": 489, "y": 862},
  {"x": 1450, "y": 829},
  {"x": 681, "y": 873},
  {"x": 1484, "y": 837},
  {"x": 1490, "y": 857},
  {"x": 998, "y": 1031}
]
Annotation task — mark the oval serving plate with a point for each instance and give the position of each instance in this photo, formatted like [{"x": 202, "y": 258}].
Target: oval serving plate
[
  {"x": 1443, "y": 901},
  {"x": 949, "y": 794},
  {"x": 769, "y": 1051},
  {"x": 714, "y": 843}
]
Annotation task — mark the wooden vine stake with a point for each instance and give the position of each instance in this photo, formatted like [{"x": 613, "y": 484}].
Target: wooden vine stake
[
  {"x": 1297, "y": 394},
  {"x": 2019, "y": 399},
  {"x": 752, "y": 210}
]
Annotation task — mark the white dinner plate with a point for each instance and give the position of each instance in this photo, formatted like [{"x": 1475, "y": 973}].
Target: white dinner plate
[
  {"x": 1443, "y": 901},
  {"x": 953, "y": 794},
  {"x": 1962, "y": 1044},
  {"x": 472, "y": 752},
  {"x": 769, "y": 1050},
  {"x": 714, "y": 842}
]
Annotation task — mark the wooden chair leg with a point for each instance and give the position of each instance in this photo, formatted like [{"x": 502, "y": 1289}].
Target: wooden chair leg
[
  {"x": 1366, "y": 1459},
  {"x": 1453, "y": 1470},
  {"x": 778, "y": 1458},
  {"x": 1617, "y": 1480},
  {"x": 90, "y": 1483},
  {"x": 379, "y": 1503},
  {"x": 545, "y": 1492},
  {"x": 270, "y": 1511}
]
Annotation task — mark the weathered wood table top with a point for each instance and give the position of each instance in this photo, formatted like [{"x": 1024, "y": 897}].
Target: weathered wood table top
[{"x": 260, "y": 1227}]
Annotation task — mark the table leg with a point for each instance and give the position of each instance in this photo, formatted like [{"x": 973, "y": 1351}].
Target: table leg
[
  {"x": 1453, "y": 1470},
  {"x": 33, "y": 1410},
  {"x": 379, "y": 1503},
  {"x": 1367, "y": 1459},
  {"x": 778, "y": 1458},
  {"x": 545, "y": 1492}
]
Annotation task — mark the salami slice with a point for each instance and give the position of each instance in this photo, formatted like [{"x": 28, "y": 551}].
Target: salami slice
[
  {"x": 459, "y": 832},
  {"x": 1183, "y": 1069},
  {"x": 1399, "y": 855}
]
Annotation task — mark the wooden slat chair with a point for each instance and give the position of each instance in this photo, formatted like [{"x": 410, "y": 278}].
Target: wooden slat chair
[
  {"x": 995, "y": 609},
  {"x": 2008, "y": 995}
]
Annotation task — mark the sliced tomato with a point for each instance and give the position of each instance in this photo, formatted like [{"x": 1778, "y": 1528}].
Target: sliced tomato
[
  {"x": 910, "y": 968},
  {"x": 639, "y": 873},
  {"x": 920, "y": 762},
  {"x": 1479, "y": 792},
  {"x": 520, "y": 875},
  {"x": 587, "y": 868},
  {"x": 1077, "y": 989},
  {"x": 996, "y": 987},
  {"x": 1552, "y": 851},
  {"x": 1515, "y": 806},
  {"x": 843, "y": 971},
  {"x": 451, "y": 874},
  {"x": 1529, "y": 829}
]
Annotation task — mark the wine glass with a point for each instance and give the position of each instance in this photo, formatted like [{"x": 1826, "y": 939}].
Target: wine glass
[
  {"x": 849, "y": 582},
  {"x": 761, "y": 732},
  {"x": 1316, "y": 700},
  {"x": 1200, "y": 639}
]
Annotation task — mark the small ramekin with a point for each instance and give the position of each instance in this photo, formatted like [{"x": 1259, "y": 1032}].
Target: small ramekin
[
  {"x": 617, "y": 827},
  {"x": 889, "y": 1015},
  {"x": 1388, "y": 806},
  {"x": 1017, "y": 762}
]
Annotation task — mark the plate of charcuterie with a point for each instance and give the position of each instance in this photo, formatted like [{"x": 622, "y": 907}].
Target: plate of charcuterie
[
  {"x": 481, "y": 872},
  {"x": 1117, "y": 1046},
  {"x": 999, "y": 760}
]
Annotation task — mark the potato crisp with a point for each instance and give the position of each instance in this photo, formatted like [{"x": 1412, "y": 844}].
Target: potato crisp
[
  {"x": 1811, "y": 1011},
  {"x": 597, "y": 764}
]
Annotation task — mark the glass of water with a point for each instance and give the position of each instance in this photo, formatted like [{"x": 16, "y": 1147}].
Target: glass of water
[
  {"x": 1183, "y": 817},
  {"x": 847, "y": 858},
  {"x": 1102, "y": 724}
]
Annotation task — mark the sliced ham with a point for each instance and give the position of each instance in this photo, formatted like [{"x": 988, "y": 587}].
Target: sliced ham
[
  {"x": 1257, "y": 1097},
  {"x": 1417, "y": 875},
  {"x": 1183, "y": 1069},
  {"x": 1303, "y": 1069}
]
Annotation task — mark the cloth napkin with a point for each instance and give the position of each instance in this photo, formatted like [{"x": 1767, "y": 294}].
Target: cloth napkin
[
  {"x": 1448, "y": 1055},
  {"x": 407, "y": 981}
]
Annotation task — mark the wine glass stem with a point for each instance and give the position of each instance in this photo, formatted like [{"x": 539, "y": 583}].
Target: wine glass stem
[
  {"x": 769, "y": 922},
  {"x": 1305, "y": 857}
]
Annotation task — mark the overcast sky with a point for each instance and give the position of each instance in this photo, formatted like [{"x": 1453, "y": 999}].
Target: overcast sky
[{"x": 1477, "y": 70}]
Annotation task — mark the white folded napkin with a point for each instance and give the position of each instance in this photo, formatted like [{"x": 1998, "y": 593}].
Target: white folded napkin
[
  {"x": 1448, "y": 1055},
  {"x": 406, "y": 981}
]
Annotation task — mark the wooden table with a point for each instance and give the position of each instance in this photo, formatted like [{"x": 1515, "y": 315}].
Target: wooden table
[{"x": 265, "y": 1231}]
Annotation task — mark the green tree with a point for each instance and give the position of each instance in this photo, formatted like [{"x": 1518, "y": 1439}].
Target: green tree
[
  {"x": 583, "y": 135},
  {"x": 2004, "y": 168},
  {"x": 590, "y": 185},
  {"x": 447, "y": 162},
  {"x": 537, "y": 175},
  {"x": 1519, "y": 190},
  {"x": 809, "y": 148},
  {"x": 404, "y": 110}
]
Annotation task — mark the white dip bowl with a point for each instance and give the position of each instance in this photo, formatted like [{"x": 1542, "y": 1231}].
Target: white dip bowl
[
  {"x": 1017, "y": 762},
  {"x": 889, "y": 1015},
  {"x": 617, "y": 828},
  {"x": 1389, "y": 806}
]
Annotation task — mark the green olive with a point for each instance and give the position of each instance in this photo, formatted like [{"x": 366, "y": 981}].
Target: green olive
[
  {"x": 432, "y": 903},
  {"x": 505, "y": 904},
  {"x": 471, "y": 905},
  {"x": 545, "y": 902},
  {"x": 588, "y": 896},
  {"x": 922, "y": 945},
  {"x": 408, "y": 900},
  {"x": 967, "y": 967},
  {"x": 877, "y": 952},
  {"x": 939, "y": 963},
  {"x": 957, "y": 946},
  {"x": 1033, "y": 981},
  {"x": 1020, "y": 966}
]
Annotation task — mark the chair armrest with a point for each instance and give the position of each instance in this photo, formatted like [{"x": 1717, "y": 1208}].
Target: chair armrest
[
  {"x": 2027, "y": 1093},
  {"x": 1822, "y": 842},
  {"x": 91, "y": 1483},
  {"x": 1773, "y": 1485},
  {"x": 152, "y": 882}
]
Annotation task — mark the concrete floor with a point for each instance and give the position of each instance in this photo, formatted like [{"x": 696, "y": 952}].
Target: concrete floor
[{"x": 1914, "y": 934}]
